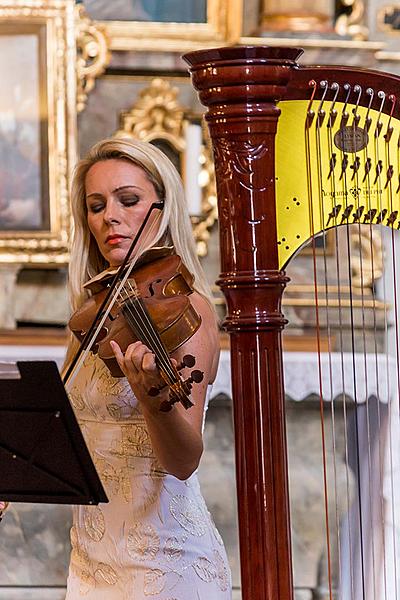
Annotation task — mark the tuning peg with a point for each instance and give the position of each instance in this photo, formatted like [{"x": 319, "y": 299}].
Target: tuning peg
[
  {"x": 196, "y": 376},
  {"x": 155, "y": 390},
  {"x": 166, "y": 405},
  {"x": 187, "y": 361}
]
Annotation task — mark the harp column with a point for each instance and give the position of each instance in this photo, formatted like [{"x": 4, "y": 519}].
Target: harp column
[{"x": 240, "y": 86}]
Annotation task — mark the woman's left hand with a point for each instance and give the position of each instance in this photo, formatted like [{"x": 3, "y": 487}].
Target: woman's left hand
[{"x": 138, "y": 364}]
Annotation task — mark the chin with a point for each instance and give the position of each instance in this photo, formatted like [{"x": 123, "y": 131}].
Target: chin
[{"x": 115, "y": 259}]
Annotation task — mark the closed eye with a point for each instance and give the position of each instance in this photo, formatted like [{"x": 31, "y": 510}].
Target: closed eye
[
  {"x": 129, "y": 200},
  {"x": 95, "y": 208}
]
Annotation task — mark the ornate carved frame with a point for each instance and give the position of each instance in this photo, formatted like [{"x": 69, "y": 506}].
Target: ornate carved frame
[
  {"x": 55, "y": 20},
  {"x": 224, "y": 23}
]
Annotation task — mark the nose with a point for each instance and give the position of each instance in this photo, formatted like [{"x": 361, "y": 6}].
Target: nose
[{"x": 111, "y": 213}]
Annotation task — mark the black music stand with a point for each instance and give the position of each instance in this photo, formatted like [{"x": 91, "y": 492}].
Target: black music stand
[{"x": 43, "y": 456}]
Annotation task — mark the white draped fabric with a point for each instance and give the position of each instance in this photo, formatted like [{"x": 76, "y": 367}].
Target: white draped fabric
[{"x": 360, "y": 377}]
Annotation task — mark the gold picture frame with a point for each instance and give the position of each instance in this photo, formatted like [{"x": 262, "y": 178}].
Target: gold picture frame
[
  {"x": 223, "y": 25},
  {"x": 37, "y": 129}
]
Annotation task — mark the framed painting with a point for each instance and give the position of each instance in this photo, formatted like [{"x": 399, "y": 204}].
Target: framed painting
[
  {"x": 37, "y": 130},
  {"x": 176, "y": 25}
]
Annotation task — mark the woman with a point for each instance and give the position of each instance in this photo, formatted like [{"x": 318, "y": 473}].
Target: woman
[{"x": 155, "y": 537}]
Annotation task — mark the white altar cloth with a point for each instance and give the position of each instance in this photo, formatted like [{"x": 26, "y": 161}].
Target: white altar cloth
[{"x": 359, "y": 376}]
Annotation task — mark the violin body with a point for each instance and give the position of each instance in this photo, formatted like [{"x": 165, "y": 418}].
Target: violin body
[{"x": 158, "y": 290}]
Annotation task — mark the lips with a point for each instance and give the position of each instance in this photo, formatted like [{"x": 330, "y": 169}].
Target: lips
[{"x": 115, "y": 238}]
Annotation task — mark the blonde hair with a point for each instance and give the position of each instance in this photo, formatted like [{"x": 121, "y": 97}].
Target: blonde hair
[{"x": 86, "y": 260}]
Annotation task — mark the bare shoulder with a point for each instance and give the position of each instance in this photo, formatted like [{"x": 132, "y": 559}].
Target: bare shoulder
[
  {"x": 204, "y": 309},
  {"x": 205, "y": 341}
]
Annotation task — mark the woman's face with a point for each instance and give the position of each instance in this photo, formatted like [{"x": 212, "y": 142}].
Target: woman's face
[{"x": 118, "y": 196}]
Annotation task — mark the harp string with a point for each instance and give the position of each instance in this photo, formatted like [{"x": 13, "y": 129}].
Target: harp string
[
  {"x": 390, "y": 408},
  {"x": 309, "y": 121},
  {"x": 329, "y": 127},
  {"x": 380, "y": 423},
  {"x": 369, "y": 552},
  {"x": 333, "y": 188},
  {"x": 360, "y": 554},
  {"x": 351, "y": 235},
  {"x": 343, "y": 179},
  {"x": 336, "y": 208},
  {"x": 320, "y": 117},
  {"x": 376, "y": 365}
]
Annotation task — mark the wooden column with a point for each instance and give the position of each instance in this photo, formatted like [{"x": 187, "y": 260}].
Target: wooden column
[{"x": 240, "y": 87}]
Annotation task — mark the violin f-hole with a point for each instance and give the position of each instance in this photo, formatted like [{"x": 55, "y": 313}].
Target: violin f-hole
[{"x": 151, "y": 289}]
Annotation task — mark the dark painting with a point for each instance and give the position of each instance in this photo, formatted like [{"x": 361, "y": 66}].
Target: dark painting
[{"x": 158, "y": 11}]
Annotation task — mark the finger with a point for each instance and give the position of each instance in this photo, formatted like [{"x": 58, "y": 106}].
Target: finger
[
  {"x": 135, "y": 354},
  {"x": 133, "y": 350},
  {"x": 118, "y": 355},
  {"x": 149, "y": 362}
]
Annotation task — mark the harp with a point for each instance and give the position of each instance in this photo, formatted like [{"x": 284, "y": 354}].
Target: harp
[{"x": 301, "y": 151}]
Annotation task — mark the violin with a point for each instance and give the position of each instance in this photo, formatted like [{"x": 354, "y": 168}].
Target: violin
[{"x": 153, "y": 307}]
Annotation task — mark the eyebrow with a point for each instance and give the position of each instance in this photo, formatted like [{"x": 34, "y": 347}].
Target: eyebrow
[{"x": 117, "y": 189}]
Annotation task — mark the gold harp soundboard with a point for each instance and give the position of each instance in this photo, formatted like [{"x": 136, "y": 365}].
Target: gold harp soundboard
[{"x": 300, "y": 151}]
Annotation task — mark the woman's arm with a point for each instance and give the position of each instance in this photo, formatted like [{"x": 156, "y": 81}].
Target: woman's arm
[{"x": 176, "y": 435}]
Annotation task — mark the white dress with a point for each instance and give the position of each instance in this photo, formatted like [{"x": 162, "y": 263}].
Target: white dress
[{"x": 155, "y": 539}]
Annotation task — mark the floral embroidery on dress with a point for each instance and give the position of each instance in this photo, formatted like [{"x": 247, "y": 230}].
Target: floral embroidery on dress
[
  {"x": 75, "y": 397},
  {"x": 173, "y": 549},
  {"x": 154, "y": 582},
  {"x": 108, "y": 385},
  {"x": 81, "y": 566},
  {"x": 108, "y": 474},
  {"x": 115, "y": 481},
  {"x": 208, "y": 571},
  {"x": 205, "y": 569},
  {"x": 188, "y": 514},
  {"x": 105, "y": 573},
  {"x": 134, "y": 441},
  {"x": 88, "y": 571},
  {"x": 93, "y": 519},
  {"x": 120, "y": 412},
  {"x": 142, "y": 541},
  {"x": 209, "y": 516},
  {"x": 222, "y": 572}
]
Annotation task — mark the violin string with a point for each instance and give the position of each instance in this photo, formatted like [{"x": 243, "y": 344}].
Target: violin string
[
  {"x": 158, "y": 345},
  {"x": 107, "y": 309},
  {"x": 167, "y": 369},
  {"x": 143, "y": 323},
  {"x": 164, "y": 365}
]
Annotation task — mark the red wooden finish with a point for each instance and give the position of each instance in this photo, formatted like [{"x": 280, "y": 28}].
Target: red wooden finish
[
  {"x": 240, "y": 86},
  {"x": 299, "y": 88}
]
